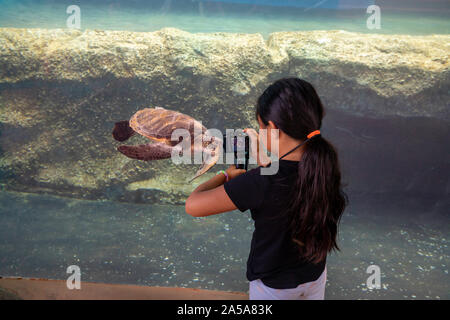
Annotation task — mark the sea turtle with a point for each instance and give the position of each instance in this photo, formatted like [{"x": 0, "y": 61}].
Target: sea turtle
[{"x": 157, "y": 124}]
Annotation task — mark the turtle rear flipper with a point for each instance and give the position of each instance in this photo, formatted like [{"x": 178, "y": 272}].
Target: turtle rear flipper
[
  {"x": 122, "y": 130},
  {"x": 146, "y": 152}
]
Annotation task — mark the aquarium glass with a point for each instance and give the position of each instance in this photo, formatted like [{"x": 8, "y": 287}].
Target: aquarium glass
[{"x": 69, "y": 70}]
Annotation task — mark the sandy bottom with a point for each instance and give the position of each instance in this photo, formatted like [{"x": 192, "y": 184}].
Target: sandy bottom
[{"x": 43, "y": 289}]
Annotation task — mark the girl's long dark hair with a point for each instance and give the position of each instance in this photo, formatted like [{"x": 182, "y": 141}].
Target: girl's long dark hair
[{"x": 317, "y": 201}]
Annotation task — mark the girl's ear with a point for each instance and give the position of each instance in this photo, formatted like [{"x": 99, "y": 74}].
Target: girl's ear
[{"x": 271, "y": 125}]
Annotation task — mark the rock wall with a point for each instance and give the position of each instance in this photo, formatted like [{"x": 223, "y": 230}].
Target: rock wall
[{"x": 386, "y": 98}]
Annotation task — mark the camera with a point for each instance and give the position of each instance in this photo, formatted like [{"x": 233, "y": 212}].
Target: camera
[{"x": 237, "y": 142}]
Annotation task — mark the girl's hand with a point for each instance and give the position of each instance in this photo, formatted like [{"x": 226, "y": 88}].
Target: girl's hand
[
  {"x": 261, "y": 158},
  {"x": 233, "y": 172}
]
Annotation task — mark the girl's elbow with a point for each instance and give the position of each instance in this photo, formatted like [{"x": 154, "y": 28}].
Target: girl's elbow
[{"x": 189, "y": 207}]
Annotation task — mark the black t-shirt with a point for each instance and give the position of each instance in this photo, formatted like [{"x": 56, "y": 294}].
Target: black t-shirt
[{"x": 273, "y": 255}]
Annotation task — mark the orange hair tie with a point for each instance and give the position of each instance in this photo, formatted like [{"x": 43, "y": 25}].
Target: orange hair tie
[{"x": 312, "y": 134}]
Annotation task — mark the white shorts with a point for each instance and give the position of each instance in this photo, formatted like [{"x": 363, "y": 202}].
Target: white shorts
[{"x": 314, "y": 290}]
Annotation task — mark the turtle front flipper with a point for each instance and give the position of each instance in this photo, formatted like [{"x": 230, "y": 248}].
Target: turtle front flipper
[
  {"x": 146, "y": 152},
  {"x": 122, "y": 131},
  {"x": 210, "y": 160}
]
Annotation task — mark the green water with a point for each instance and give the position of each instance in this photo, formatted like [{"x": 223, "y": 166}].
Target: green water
[{"x": 118, "y": 15}]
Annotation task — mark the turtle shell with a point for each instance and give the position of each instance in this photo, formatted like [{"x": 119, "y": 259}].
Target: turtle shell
[{"x": 159, "y": 123}]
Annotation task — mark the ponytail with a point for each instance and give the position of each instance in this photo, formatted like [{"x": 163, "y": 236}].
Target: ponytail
[{"x": 317, "y": 201}]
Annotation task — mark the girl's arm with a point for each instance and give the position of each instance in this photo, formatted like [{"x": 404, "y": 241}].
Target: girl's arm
[{"x": 210, "y": 197}]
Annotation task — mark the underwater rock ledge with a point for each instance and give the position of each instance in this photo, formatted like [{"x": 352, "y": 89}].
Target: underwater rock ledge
[
  {"x": 394, "y": 69},
  {"x": 61, "y": 91}
]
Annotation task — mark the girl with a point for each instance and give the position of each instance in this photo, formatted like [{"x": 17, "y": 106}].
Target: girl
[{"x": 297, "y": 210}]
